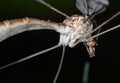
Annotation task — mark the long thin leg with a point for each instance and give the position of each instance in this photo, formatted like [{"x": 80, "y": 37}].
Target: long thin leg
[
  {"x": 87, "y": 34},
  {"x": 28, "y": 57},
  {"x": 111, "y": 29},
  {"x": 51, "y": 7},
  {"x": 106, "y": 21},
  {"x": 60, "y": 65}
]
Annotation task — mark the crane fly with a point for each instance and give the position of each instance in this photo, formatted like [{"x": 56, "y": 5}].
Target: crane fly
[{"x": 73, "y": 30}]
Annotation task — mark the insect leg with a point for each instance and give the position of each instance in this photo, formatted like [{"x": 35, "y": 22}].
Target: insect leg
[
  {"x": 90, "y": 49},
  {"x": 87, "y": 34},
  {"x": 51, "y": 7},
  {"x": 106, "y": 21},
  {"x": 111, "y": 29},
  {"x": 60, "y": 65},
  {"x": 30, "y": 56}
]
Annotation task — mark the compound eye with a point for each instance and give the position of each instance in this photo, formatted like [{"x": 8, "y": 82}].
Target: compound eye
[{"x": 92, "y": 43}]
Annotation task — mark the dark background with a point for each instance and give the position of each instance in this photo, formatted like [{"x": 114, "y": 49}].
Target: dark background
[{"x": 105, "y": 67}]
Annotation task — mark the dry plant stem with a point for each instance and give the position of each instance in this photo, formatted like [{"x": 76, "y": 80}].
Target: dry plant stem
[{"x": 86, "y": 72}]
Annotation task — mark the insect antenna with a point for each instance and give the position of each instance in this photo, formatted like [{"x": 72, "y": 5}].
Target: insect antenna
[
  {"x": 60, "y": 65},
  {"x": 51, "y": 7},
  {"x": 118, "y": 13},
  {"x": 30, "y": 56}
]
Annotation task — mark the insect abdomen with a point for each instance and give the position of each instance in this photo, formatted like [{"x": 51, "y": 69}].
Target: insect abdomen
[{"x": 12, "y": 27}]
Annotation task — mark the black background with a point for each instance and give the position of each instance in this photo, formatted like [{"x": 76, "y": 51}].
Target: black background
[{"x": 105, "y": 67}]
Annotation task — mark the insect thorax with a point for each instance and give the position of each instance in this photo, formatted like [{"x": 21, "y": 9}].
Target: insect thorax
[{"x": 75, "y": 28}]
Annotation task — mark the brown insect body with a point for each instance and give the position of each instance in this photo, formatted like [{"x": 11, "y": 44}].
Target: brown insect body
[
  {"x": 74, "y": 29},
  {"x": 71, "y": 30},
  {"x": 9, "y": 28},
  {"x": 78, "y": 27}
]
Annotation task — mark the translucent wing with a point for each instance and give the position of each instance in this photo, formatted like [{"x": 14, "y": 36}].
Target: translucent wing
[
  {"x": 89, "y": 7},
  {"x": 12, "y": 27}
]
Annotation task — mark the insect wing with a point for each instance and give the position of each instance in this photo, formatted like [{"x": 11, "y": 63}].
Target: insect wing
[
  {"x": 82, "y": 6},
  {"x": 89, "y": 7}
]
